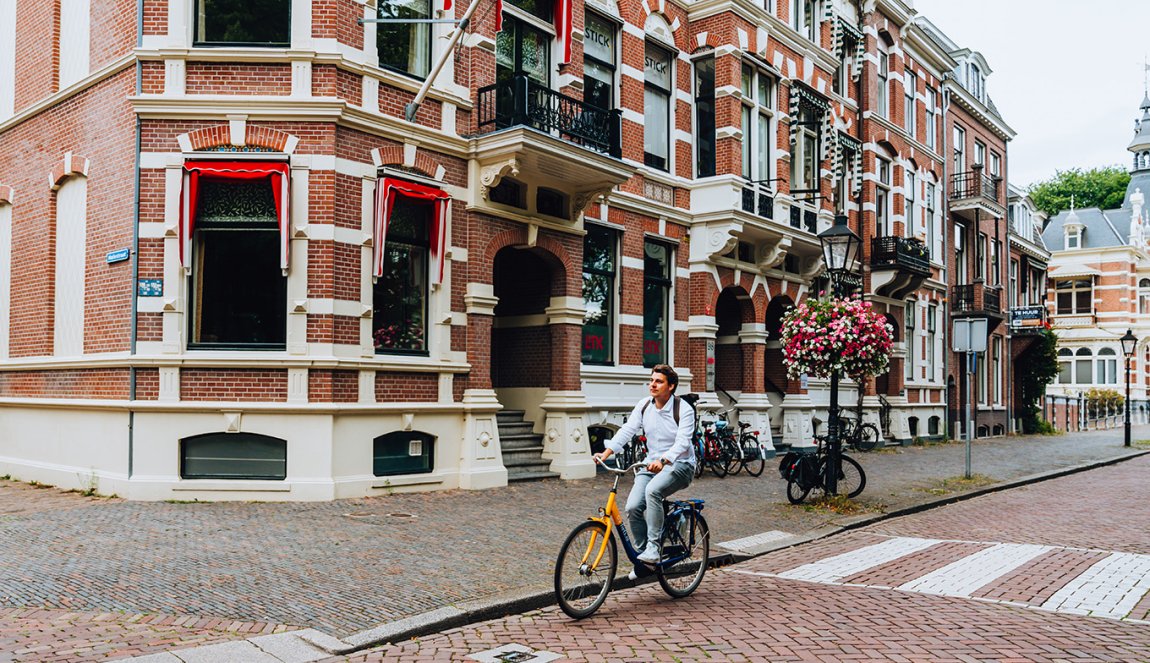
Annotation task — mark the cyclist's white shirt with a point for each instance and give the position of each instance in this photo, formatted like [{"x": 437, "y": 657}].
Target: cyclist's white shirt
[{"x": 664, "y": 438}]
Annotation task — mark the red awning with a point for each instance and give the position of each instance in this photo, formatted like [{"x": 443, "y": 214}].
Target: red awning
[
  {"x": 385, "y": 193},
  {"x": 276, "y": 171}
]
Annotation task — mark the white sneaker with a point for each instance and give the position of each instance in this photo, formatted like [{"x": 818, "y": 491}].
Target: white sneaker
[
  {"x": 633, "y": 575},
  {"x": 650, "y": 555}
]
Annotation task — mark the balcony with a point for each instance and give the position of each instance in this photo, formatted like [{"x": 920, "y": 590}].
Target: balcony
[
  {"x": 1027, "y": 320},
  {"x": 899, "y": 265},
  {"x": 974, "y": 195},
  {"x": 976, "y": 300},
  {"x": 805, "y": 220},
  {"x": 544, "y": 138}
]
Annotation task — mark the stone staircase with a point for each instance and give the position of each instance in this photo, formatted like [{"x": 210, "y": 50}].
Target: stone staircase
[{"x": 522, "y": 449}]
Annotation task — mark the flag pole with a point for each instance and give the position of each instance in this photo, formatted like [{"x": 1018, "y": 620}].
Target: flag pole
[{"x": 410, "y": 109}]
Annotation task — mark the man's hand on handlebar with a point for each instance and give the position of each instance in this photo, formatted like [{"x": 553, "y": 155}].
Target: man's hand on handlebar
[{"x": 602, "y": 456}]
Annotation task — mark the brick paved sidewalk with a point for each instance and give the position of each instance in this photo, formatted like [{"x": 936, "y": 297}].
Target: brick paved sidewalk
[{"x": 351, "y": 565}]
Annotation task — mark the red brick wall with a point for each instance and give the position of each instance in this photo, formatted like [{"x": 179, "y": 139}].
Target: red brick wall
[
  {"x": 238, "y": 79},
  {"x": 333, "y": 386},
  {"x": 392, "y": 387},
  {"x": 233, "y": 384},
  {"x": 82, "y": 383}
]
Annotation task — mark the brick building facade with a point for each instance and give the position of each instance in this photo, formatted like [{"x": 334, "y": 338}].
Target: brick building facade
[{"x": 232, "y": 268}]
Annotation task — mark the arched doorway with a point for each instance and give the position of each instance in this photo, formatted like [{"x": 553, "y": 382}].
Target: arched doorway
[{"x": 732, "y": 310}]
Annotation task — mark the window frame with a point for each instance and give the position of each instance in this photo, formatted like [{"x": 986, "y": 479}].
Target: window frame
[
  {"x": 882, "y": 213},
  {"x": 666, "y": 283},
  {"x": 612, "y": 291},
  {"x": 931, "y": 102},
  {"x": 754, "y": 113},
  {"x": 198, "y": 14},
  {"x": 417, "y": 243},
  {"x": 910, "y": 311},
  {"x": 589, "y": 55},
  {"x": 386, "y": 31},
  {"x": 233, "y": 442},
  {"x": 704, "y": 117},
  {"x": 650, "y": 159},
  {"x": 808, "y": 10},
  {"x": 882, "y": 107},
  {"x": 910, "y": 83},
  {"x": 1073, "y": 289},
  {"x": 911, "y": 199},
  {"x": 958, "y": 148}
]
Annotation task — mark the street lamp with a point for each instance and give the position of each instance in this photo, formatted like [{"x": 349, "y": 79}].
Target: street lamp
[
  {"x": 840, "y": 252},
  {"x": 1128, "y": 343}
]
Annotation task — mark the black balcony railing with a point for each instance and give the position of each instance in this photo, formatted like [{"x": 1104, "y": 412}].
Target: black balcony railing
[
  {"x": 905, "y": 252},
  {"x": 523, "y": 102},
  {"x": 976, "y": 298},
  {"x": 758, "y": 202},
  {"x": 974, "y": 184},
  {"x": 1028, "y": 319}
]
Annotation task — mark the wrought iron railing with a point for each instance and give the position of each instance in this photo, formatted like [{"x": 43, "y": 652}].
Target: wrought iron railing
[
  {"x": 805, "y": 219},
  {"x": 974, "y": 184},
  {"x": 758, "y": 202},
  {"x": 523, "y": 102},
  {"x": 976, "y": 298},
  {"x": 905, "y": 252}
]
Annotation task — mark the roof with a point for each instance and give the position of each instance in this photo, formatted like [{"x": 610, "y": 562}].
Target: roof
[
  {"x": 1100, "y": 228},
  {"x": 1071, "y": 271}
]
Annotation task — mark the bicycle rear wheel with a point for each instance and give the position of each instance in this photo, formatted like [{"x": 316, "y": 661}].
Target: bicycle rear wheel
[
  {"x": 753, "y": 456},
  {"x": 867, "y": 438},
  {"x": 796, "y": 493},
  {"x": 734, "y": 454},
  {"x": 580, "y": 587},
  {"x": 851, "y": 479},
  {"x": 692, "y": 537}
]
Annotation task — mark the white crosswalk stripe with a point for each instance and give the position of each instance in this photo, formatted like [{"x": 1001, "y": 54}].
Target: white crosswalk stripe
[
  {"x": 965, "y": 576},
  {"x": 1109, "y": 588},
  {"x": 834, "y": 569}
]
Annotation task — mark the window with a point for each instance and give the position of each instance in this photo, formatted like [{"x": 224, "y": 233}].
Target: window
[
  {"x": 657, "y": 273},
  {"x": 519, "y": 47},
  {"x": 982, "y": 381},
  {"x": 599, "y": 63},
  {"x": 5, "y": 276},
  {"x": 883, "y": 89},
  {"x": 233, "y": 456},
  {"x": 804, "y": 18},
  {"x": 1082, "y": 363},
  {"x": 657, "y": 107},
  {"x": 399, "y": 297},
  {"x": 1065, "y": 366},
  {"x": 959, "y": 149},
  {"x": 931, "y": 340},
  {"x": 911, "y": 211},
  {"x": 979, "y": 153},
  {"x": 995, "y": 164},
  {"x": 1073, "y": 237},
  {"x": 1074, "y": 296},
  {"x": 756, "y": 121},
  {"x": 705, "y": 117},
  {"x": 71, "y": 259},
  {"x": 1144, "y": 295},
  {"x": 402, "y": 452},
  {"x": 75, "y": 39},
  {"x": 961, "y": 270},
  {"x": 805, "y": 157},
  {"x": 238, "y": 22},
  {"x": 930, "y": 221},
  {"x": 931, "y": 124},
  {"x": 977, "y": 83},
  {"x": 237, "y": 240},
  {"x": 405, "y": 47},
  {"x": 843, "y": 74},
  {"x": 911, "y": 341},
  {"x": 1106, "y": 367},
  {"x": 599, "y": 269},
  {"x": 980, "y": 257},
  {"x": 910, "y": 85},
  {"x": 882, "y": 200},
  {"x": 996, "y": 367},
  {"x": 1013, "y": 283},
  {"x": 995, "y": 251}
]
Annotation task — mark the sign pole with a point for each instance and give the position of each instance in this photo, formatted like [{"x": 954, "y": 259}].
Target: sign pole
[{"x": 970, "y": 371}]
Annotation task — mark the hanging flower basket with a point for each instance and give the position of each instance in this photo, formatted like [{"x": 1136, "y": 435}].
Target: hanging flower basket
[{"x": 825, "y": 334}]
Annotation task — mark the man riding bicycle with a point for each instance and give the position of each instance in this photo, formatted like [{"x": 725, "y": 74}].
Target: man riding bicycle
[{"x": 669, "y": 425}]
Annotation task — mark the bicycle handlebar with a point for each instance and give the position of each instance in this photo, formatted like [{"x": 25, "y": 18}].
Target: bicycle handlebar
[{"x": 621, "y": 471}]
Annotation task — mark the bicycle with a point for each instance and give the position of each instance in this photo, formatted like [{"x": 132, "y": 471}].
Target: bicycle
[
  {"x": 588, "y": 559},
  {"x": 753, "y": 457},
  {"x": 860, "y": 437},
  {"x": 709, "y": 451},
  {"x": 807, "y": 472},
  {"x": 634, "y": 451}
]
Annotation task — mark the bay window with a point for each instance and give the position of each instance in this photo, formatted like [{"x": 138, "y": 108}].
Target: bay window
[{"x": 1074, "y": 296}]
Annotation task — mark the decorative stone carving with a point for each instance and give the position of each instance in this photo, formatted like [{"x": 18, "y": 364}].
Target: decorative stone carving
[
  {"x": 774, "y": 254},
  {"x": 491, "y": 175}
]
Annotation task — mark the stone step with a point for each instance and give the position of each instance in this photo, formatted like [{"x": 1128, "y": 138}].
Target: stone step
[
  {"x": 517, "y": 428},
  {"x": 509, "y": 415},
  {"x": 521, "y": 457},
  {"x": 517, "y": 442},
  {"x": 531, "y": 476}
]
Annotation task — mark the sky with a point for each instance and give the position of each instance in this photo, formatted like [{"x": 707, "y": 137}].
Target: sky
[{"x": 1067, "y": 76}]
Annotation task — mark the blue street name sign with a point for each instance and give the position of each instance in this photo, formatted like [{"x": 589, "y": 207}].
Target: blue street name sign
[{"x": 118, "y": 255}]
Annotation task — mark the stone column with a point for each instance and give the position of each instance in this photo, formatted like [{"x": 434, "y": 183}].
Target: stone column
[
  {"x": 481, "y": 457},
  {"x": 754, "y": 405},
  {"x": 565, "y": 441}
]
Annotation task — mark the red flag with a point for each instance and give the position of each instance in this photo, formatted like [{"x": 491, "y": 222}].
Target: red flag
[
  {"x": 446, "y": 5},
  {"x": 563, "y": 26},
  {"x": 498, "y": 15}
]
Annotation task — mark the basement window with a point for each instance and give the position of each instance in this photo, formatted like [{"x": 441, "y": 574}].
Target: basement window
[
  {"x": 403, "y": 452},
  {"x": 233, "y": 456}
]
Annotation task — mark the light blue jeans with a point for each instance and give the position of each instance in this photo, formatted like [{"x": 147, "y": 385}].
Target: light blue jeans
[{"x": 645, "y": 503}]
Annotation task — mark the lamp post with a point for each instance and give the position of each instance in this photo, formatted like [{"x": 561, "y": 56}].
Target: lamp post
[
  {"x": 1128, "y": 343},
  {"x": 840, "y": 253}
]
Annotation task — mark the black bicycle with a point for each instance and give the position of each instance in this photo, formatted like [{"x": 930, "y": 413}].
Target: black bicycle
[
  {"x": 860, "y": 437},
  {"x": 806, "y": 473}
]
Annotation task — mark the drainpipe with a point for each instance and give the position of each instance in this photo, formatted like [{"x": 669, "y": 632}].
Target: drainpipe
[
  {"x": 947, "y": 230},
  {"x": 135, "y": 252}
]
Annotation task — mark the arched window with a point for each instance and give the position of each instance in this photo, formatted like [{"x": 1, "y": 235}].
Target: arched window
[
  {"x": 403, "y": 452},
  {"x": 1144, "y": 296},
  {"x": 1082, "y": 361},
  {"x": 1106, "y": 370},
  {"x": 233, "y": 456},
  {"x": 1065, "y": 366}
]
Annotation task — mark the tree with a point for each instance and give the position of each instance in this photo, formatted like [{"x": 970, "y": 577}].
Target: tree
[
  {"x": 1038, "y": 366},
  {"x": 1104, "y": 188}
]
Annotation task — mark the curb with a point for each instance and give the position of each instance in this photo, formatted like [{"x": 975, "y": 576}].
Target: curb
[{"x": 495, "y": 607}]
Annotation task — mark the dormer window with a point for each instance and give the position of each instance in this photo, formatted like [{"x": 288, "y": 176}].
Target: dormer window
[
  {"x": 1073, "y": 238},
  {"x": 976, "y": 82}
]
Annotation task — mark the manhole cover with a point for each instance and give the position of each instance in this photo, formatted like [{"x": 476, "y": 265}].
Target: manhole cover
[
  {"x": 402, "y": 515},
  {"x": 514, "y": 653},
  {"x": 361, "y": 514},
  {"x": 515, "y": 657}
]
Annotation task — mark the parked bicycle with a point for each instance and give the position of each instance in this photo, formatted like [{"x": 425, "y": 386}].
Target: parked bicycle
[
  {"x": 860, "y": 437},
  {"x": 588, "y": 559},
  {"x": 633, "y": 452},
  {"x": 752, "y": 455},
  {"x": 710, "y": 451},
  {"x": 806, "y": 473}
]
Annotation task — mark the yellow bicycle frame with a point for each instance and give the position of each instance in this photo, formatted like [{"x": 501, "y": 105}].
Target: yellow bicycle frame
[{"x": 610, "y": 518}]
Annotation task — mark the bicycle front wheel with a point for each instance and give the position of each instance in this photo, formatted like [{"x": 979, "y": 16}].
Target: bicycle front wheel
[
  {"x": 693, "y": 538},
  {"x": 796, "y": 493},
  {"x": 867, "y": 438},
  {"x": 851, "y": 479},
  {"x": 734, "y": 453},
  {"x": 581, "y": 585},
  {"x": 753, "y": 457}
]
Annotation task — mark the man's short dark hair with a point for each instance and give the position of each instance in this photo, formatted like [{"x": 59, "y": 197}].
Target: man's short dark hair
[{"x": 669, "y": 373}]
